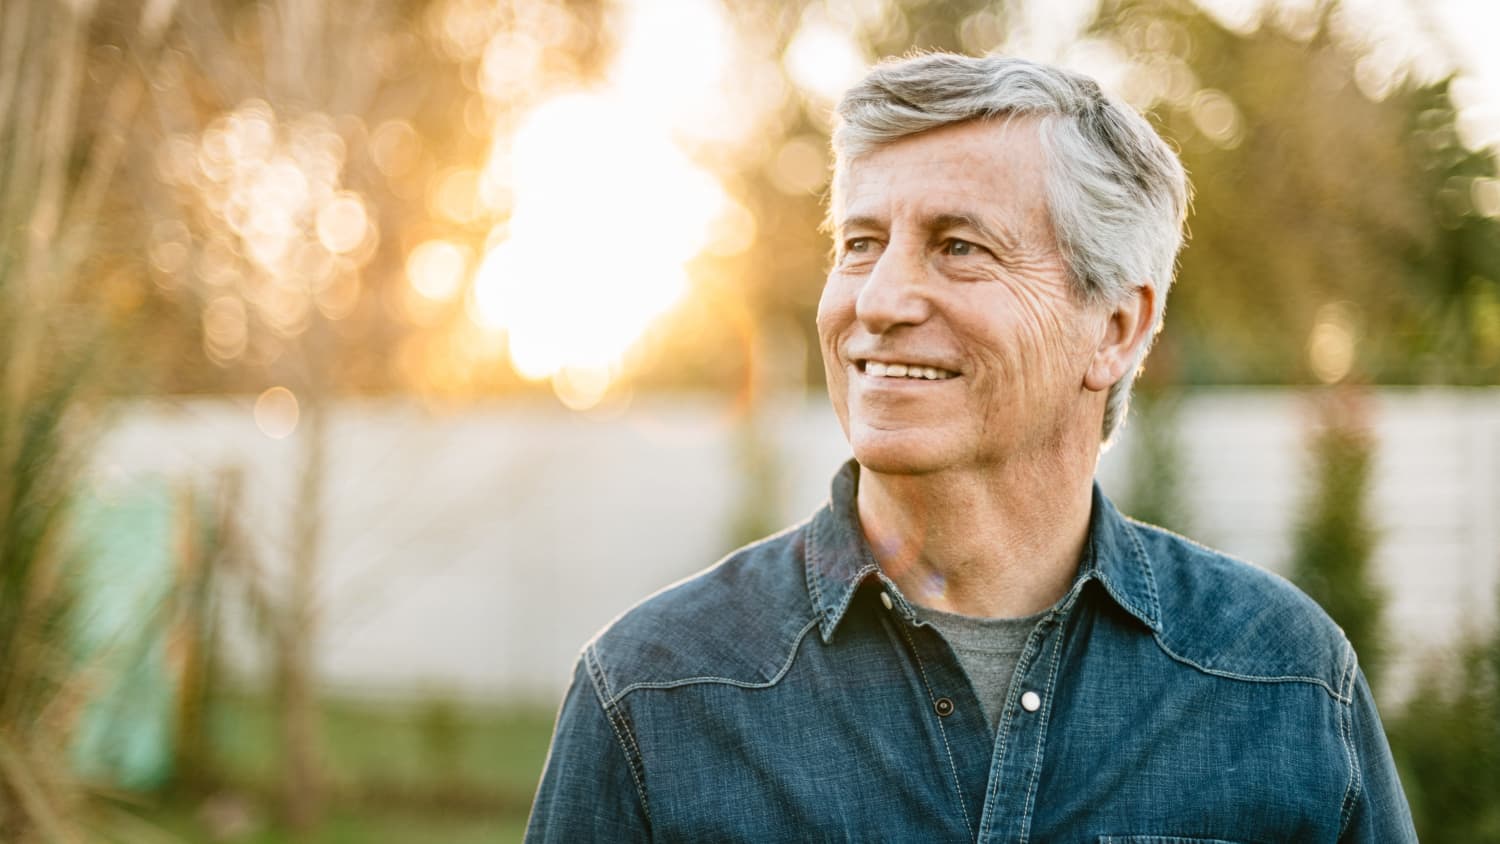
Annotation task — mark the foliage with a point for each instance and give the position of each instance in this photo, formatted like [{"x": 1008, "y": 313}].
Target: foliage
[
  {"x": 1447, "y": 745},
  {"x": 1334, "y": 538},
  {"x": 1316, "y": 181},
  {"x": 1156, "y": 491},
  {"x": 1353, "y": 190},
  {"x": 61, "y": 329}
]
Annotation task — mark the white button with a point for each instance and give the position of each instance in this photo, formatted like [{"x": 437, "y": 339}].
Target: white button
[
  {"x": 885, "y": 599},
  {"x": 1031, "y": 701}
]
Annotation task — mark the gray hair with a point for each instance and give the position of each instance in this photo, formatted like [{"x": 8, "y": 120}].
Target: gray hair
[{"x": 1116, "y": 192}]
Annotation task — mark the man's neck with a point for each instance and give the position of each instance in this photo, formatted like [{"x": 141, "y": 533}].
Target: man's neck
[{"x": 994, "y": 544}]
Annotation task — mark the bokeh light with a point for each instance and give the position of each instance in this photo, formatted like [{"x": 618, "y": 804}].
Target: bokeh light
[
  {"x": 277, "y": 413},
  {"x": 436, "y": 269},
  {"x": 823, "y": 60},
  {"x": 1331, "y": 346}
]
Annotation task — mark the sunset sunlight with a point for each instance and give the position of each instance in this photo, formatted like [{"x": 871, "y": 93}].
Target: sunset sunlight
[{"x": 607, "y": 210}]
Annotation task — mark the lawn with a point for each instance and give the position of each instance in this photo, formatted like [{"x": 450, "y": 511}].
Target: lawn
[{"x": 432, "y": 771}]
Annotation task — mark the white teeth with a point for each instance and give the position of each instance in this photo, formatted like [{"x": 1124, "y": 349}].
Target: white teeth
[{"x": 902, "y": 370}]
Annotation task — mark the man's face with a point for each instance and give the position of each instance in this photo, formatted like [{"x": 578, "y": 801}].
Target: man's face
[{"x": 946, "y": 265}]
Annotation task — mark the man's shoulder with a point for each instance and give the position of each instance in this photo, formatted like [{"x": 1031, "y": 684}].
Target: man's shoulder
[
  {"x": 1230, "y": 618},
  {"x": 737, "y": 622}
]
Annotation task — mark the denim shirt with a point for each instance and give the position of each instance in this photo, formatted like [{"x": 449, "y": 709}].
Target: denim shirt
[{"x": 1172, "y": 695}]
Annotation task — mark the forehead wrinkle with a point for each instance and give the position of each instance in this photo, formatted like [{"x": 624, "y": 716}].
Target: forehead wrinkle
[{"x": 1004, "y": 164}]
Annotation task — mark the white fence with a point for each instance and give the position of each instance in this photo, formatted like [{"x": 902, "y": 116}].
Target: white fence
[{"x": 472, "y": 553}]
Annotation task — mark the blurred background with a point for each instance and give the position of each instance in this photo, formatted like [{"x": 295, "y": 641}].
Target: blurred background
[{"x": 359, "y": 360}]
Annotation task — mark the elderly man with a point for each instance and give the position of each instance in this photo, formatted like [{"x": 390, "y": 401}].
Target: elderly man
[{"x": 969, "y": 642}]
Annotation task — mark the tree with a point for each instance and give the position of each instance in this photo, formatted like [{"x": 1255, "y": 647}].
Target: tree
[
  {"x": 1317, "y": 180},
  {"x": 1334, "y": 538}
]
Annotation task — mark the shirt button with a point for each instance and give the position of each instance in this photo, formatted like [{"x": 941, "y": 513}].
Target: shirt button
[
  {"x": 943, "y": 706},
  {"x": 885, "y": 599},
  {"x": 1031, "y": 701}
]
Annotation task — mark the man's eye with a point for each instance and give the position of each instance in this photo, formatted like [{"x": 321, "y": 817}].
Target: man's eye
[
  {"x": 960, "y": 248},
  {"x": 858, "y": 244}
]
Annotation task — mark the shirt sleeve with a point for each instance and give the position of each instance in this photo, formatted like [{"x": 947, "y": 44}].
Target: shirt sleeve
[
  {"x": 1380, "y": 812},
  {"x": 590, "y": 786}
]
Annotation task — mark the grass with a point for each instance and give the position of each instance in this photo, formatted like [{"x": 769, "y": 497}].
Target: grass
[
  {"x": 433, "y": 771},
  {"x": 346, "y": 826}
]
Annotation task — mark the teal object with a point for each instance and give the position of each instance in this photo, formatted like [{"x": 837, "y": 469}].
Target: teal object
[{"x": 127, "y": 571}]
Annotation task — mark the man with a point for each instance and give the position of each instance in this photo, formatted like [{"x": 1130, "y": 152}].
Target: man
[{"x": 968, "y": 642}]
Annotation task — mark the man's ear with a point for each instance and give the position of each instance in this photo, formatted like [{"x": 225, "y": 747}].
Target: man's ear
[{"x": 1127, "y": 328}]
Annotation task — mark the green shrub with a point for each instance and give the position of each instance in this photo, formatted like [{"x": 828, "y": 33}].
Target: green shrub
[
  {"x": 1447, "y": 746},
  {"x": 1335, "y": 538}
]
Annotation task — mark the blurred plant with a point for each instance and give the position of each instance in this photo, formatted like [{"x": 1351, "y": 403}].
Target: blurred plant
[
  {"x": 269, "y": 239},
  {"x": 1155, "y": 494},
  {"x": 211, "y": 549},
  {"x": 318, "y": 214},
  {"x": 1334, "y": 538},
  {"x": 1361, "y": 179},
  {"x": 440, "y": 724},
  {"x": 1447, "y": 745},
  {"x": 63, "y": 297}
]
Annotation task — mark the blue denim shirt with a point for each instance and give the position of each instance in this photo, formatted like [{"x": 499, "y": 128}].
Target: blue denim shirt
[{"x": 1172, "y": 695}]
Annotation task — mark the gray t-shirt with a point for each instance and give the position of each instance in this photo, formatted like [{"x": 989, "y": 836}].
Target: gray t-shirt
[{"x": 987, "y": 648}]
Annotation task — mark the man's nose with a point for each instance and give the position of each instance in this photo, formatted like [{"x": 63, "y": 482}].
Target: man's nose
[{"x": 895, "y": 293}]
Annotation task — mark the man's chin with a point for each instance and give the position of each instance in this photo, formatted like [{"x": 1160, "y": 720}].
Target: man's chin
[{"x": 897, "y": 454}]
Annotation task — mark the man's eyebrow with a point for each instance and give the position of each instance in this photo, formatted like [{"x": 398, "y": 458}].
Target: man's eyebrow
[
  {"x": 858, "y": 223},
  {"x": 949, "y": 221},
  {"x": 942, "y": 222}
]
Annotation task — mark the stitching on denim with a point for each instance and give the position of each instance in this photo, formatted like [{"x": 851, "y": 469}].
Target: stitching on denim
[
  {"x": 829, "y": 614},
  {"x": 1022, "y": 666},
  {"x": 1346, "y": 728},
  {"x": 958, "y": 786},
  {"x": 837, "y": 613},
  {"x": 1041, "y": 736},
  {"x": 1150, "y": 577},
  {"x": 726, "y": 681},
  {"x": 1251, "y": 678},
  {"x": 811, "y": 564},
  {"x": 1150, "y": 617},
  {"x": 632, "y": 751},
  {"x": 1007, "y": 717}
]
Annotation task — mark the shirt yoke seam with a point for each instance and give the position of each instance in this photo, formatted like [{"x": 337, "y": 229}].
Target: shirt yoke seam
[
  {"x": 1251, "y": 678},
  {"x": 725, "y": 681},
  {"x": 623, "y": 735}
]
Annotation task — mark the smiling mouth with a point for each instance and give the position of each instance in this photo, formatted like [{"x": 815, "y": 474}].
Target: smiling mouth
[{"x": 911, "y": 371}]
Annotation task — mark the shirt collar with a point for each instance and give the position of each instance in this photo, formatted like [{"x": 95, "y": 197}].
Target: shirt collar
[{"x": 839, "y": 559}]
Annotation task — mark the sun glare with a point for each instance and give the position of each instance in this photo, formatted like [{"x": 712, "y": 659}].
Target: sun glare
[
  {"x": 607, "y": 209},
  {"x": 823, "y": 60}
]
